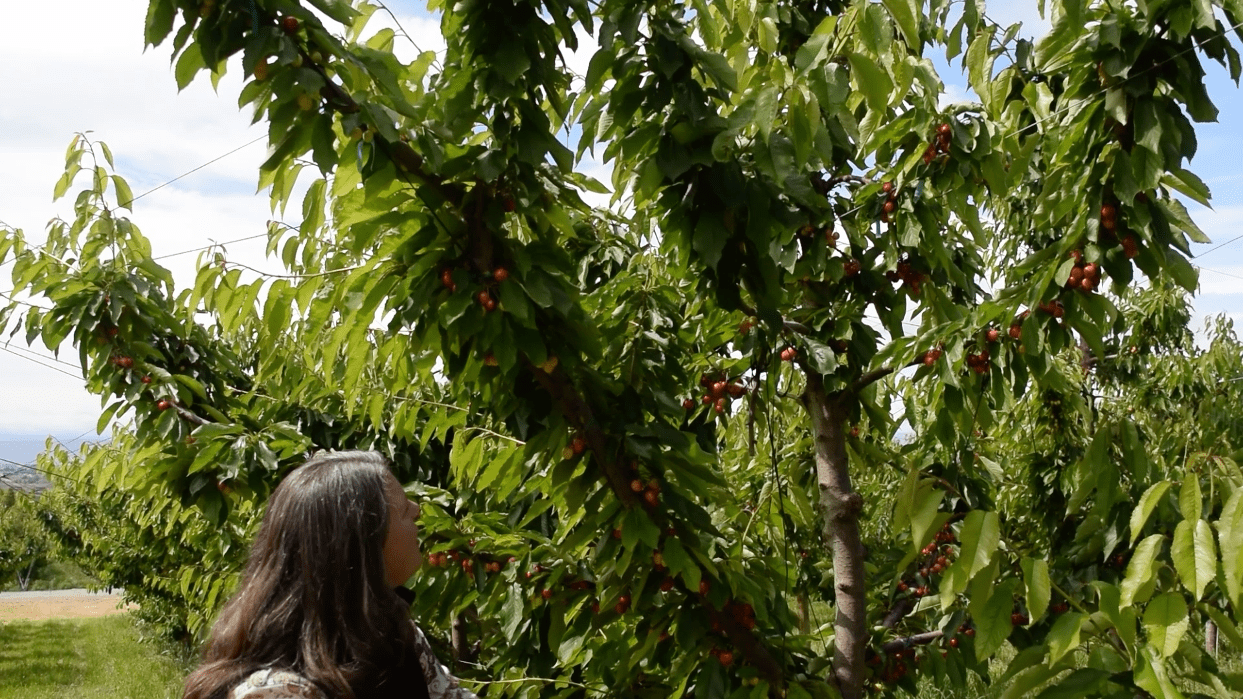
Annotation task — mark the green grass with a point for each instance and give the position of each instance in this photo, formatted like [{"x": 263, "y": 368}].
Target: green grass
[{"x": 92, "y": 657}]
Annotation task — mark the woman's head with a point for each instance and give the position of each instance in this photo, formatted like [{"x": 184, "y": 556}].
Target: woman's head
[{"x": 317, "y": 592}]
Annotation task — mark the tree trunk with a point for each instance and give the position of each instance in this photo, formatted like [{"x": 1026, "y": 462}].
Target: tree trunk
[
  {"x": 840, "y": 508},
  {"x": 805, "y": 613},
  {"x": 458, "y": 637},
  {"x": 1211, "y": 638},
  {"x": 22, "y": 583}
]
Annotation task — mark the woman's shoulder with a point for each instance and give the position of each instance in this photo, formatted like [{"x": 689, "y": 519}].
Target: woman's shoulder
[{"x": 273, "y": 683}]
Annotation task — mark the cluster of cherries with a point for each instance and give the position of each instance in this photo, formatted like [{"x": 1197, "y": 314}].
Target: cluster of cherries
[
  {"x": 936, "y": 558},
  {"x": 979, "y": 362},
  {"x": 940, "y": 144},
  {"x": 484, "y": 296},
  {"x": 891, "y": 201},
  {"x": 808, "y": 231},
  {"x": 1084, "y": 276},
  {"x": 576, "y": 447},
  {"x": 930, "y": 357},
  {"x": 1109, "y": 223},
  {"x": 964, "y": 629},
  {"x": 908, "y": 274},
  {"x": 1053, "y": 307},
  {"x": 441, "y": 560},
  {"x": 718, "y": 389},
  {"x": 652, "y": 496},
  {"x": 891, "y": 669}
]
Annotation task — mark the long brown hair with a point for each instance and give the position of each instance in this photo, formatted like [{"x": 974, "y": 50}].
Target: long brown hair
[{"x": 313, "y": 597}]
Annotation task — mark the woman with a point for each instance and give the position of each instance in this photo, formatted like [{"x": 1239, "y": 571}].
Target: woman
[{"x": 321, "y": 611}]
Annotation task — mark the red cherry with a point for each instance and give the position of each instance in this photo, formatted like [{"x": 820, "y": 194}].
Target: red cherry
[
  {"x": 146, "y": 379},
  {"x": 887, "y": 187},
  {"x": 595, "y": 607},
  {"x": 164, "y": 404},
  {"x": 726, "y": 658},
  {"x": 943, "y": 129},
  {"x": 546, "y": 593},
  {"x": 1107, "y": 212},
  {"x": 720, "y": 406},
  {"x": 718, "y": 389},
  {"x": 620, "y": 608},
  {"x": 688, "y": 404},
  {"x": 992, "y": 335},
  {"x": 578, "y": 444},
  {"x": 508, "y": 204},
  {"x": 501, "y": 274},
  {"x": 1086, "y": 284},
  {"x": 652, "y": 498},
  {"x": 289, "y": 24},
  {"x": 704, "y": 586},
  {"x": 954, "y": 642},
  {"x": 1015, "y": 331},
  {"x": 617, "y": 533},
  {"x": 637, "y": 486},
  {"x": 667, "y": 585}
]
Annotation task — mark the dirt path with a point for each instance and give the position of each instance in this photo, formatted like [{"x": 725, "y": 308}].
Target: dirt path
[{"x": 46, "y": 605}]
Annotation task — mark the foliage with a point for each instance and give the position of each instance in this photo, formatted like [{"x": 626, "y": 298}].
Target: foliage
[
  {"x": 625, "y": 423},
  {"x": 24, "y": 544}
]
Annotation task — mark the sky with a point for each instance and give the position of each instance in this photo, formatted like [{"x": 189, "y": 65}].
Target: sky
[{"x": 86, "y": 70}]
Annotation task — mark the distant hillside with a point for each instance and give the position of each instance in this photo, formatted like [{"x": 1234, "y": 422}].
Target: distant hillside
[{"x": 17, "y": 455}]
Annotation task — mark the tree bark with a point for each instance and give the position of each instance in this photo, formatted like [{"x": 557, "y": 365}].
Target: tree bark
[
  {"x": 1211, "y": 638},
  {"x": 22, "y": 583},
  {"x": 840, "y": 509},
  {"x": 805, "y": 613}
]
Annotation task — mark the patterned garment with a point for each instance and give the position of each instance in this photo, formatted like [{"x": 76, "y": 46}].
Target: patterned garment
[{"x": 271, "y": 683}]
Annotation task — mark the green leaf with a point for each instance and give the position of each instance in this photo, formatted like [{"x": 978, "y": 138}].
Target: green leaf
[
  {"x": 1190, "y": 497},
  {"x": 822, "y": 357},
  {"x": 979, "y": 61},
  {"x": 979, "y": 541},
  {"x": 1036, "y": 585},
  {"x": 680, "y": 563},
  {"x": 993, "y": 628},
  {"x": 160, "y": 15},
  {"x": 710, "y": 238},
  {"x": 1166, "y": 622},
  {"x": 1178, "y": 215},
  {"x": 1142, "y": 511},
  {"x": 1192, "y": 552},
  {"x": 1081, "y": 683},
  {"x": 812, "y": 53},
  {"x": 869, "y": 79},
  {"x": 1187, "y": 184},
  {"x": 190, "y": 63},
  {"x": 906, "y": 14},
  {"x": 1029, "y": 679},
  {"x": 1230, "y": 525},
  {"x": 924, "y": 505},
  {"x": 1149, "y": 673},
  {"x": 1064, "y": 635},
  {"x": 1139, "y": 569}
]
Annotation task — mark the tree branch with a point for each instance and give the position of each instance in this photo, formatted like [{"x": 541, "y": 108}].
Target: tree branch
[
  {"x": 862, "y": 383},
  {"x": 907, "y": 642}
]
